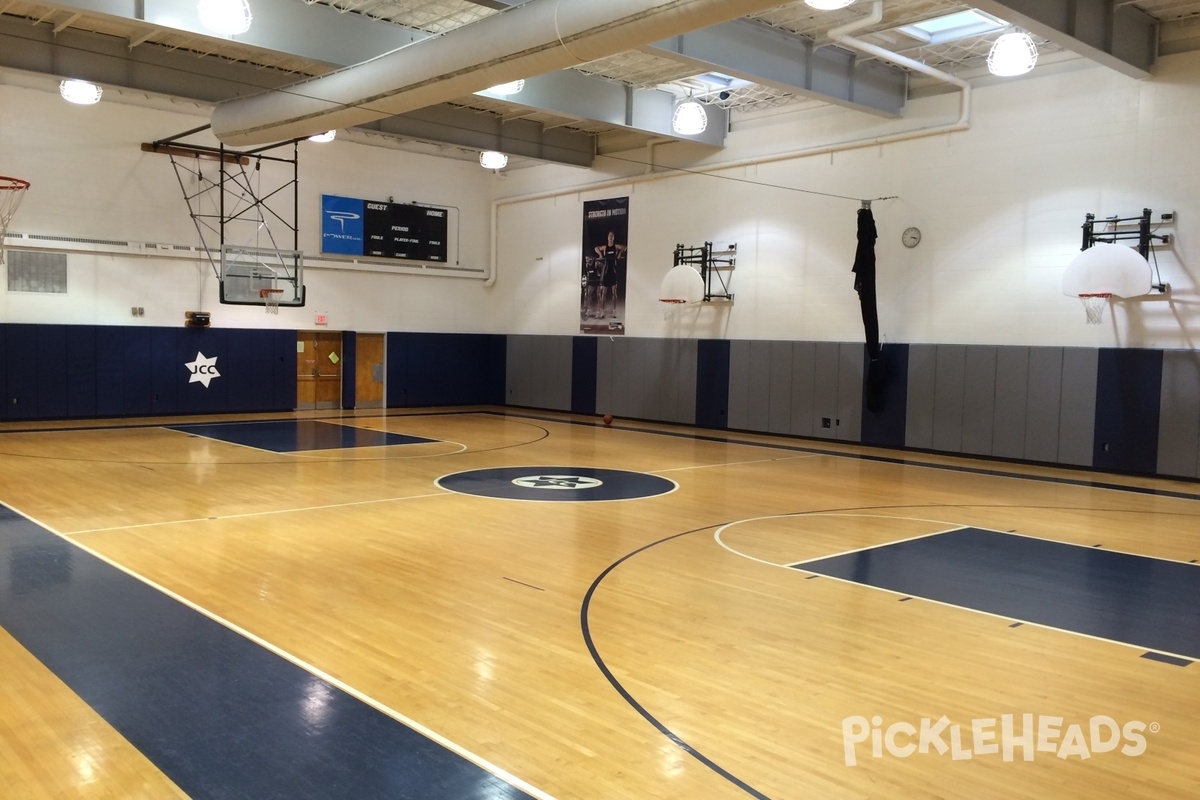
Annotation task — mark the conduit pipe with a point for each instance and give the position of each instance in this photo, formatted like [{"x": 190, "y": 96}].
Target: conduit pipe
[
  {"x": 537, "y": 37},
  {"x": 841, "y": 35}
]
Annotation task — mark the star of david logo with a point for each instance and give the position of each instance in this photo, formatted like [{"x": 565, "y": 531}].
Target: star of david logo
[
  {"x": 203, "y": 369},
  {"x": 557, "y": 482}
]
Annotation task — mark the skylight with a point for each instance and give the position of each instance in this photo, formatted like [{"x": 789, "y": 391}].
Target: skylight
[
  {"x": 950, "y": 27},
  {"x": 719, "y": 81}
]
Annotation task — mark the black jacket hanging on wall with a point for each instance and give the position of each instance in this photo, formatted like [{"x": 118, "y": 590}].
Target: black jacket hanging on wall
[{"x": 864, "y": 284}]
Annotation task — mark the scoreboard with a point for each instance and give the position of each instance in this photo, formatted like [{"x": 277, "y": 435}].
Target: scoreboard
[{"x": 410, "y": 232}]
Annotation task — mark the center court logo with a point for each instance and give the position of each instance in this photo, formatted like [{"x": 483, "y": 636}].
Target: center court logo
[
  {"x": 558, "y": 482},
  {"x": 1029, "y": 733},
  {"x": 203, "y": 369}
]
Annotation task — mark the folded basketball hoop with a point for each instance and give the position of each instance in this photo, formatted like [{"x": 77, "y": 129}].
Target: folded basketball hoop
[{"x": 12, "y": 191}]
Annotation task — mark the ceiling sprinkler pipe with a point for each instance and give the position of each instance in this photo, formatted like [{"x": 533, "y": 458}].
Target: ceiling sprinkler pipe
[{"x": 841, "y": 35}]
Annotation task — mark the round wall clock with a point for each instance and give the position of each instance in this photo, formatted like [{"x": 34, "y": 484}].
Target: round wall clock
[{"x": 911, "y": 237}]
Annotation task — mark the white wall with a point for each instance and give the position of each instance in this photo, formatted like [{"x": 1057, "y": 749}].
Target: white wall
[
  {"x": 91, "y": 180},
  {"x": 1000, "y": 206}
]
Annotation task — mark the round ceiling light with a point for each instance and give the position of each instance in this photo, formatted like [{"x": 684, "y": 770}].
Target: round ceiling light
[
  {"x": 1013, "y": 54},
  {"x": 828, "y": 5},
  {"x": 490, "y": 159},
  {"x": 82, "y": 93},
  {"x": 226, "y": 17},
  {"x": 689, "y": 119}
]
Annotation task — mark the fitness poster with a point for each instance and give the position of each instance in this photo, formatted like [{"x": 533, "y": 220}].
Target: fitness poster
[{"x": 602, "y": 279}]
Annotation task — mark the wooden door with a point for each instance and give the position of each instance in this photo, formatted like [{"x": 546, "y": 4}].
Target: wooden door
[
  {"x": 318, "y": 369},
  {"x": 369, "y": 370}
]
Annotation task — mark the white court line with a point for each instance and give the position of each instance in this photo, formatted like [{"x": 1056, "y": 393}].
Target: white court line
[
  {"x": 478, "y": 761},
  {"x": 798, "y": 568},
  {"x": 1141, "y": 647},
  {"x": 723, "y": 528},
  {"x": 256, "y": 513},
  {"x": 300, "y": 454},
  {"x": 1092, "y": 547}
]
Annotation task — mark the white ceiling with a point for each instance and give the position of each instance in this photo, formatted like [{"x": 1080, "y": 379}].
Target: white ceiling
[{"x": 642, "y": 69}]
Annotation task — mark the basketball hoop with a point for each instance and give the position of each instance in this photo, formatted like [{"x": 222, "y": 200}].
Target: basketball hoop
[
  {"x": 12, "y": 191},
  {"x": 271, "y": 298},
  {"x": 682, "y": 285},
  {"x": 1094, "y": 304},
  {"x": 670, "y": 304}
]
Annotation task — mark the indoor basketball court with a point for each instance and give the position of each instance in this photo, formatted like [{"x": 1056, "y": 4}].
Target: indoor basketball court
[
  {"x": 566, "y": 400},
  {"x": 485, "y": 603}
]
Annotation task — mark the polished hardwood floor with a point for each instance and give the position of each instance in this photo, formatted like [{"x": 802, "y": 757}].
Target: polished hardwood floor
[{"x": 666, "y": 646}]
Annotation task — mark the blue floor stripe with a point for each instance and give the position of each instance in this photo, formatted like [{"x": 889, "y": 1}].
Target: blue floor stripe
[
  {"x": 1141, "y": 601},
  {"x": 296, "y": 435},
  {"x": 220, "y": 715}
]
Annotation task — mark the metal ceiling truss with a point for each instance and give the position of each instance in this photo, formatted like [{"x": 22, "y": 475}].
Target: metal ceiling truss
[
  {"x": 234, "y": 208},
  {"x": 761, "y": 54}
]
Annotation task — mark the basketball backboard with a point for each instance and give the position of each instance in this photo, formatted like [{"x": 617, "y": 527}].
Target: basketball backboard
[
  {"x": 1111, "y": 269},
  {"x": 256, "y": 276}
]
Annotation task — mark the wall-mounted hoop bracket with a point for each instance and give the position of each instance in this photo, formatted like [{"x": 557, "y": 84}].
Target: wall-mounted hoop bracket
[{"x": 1129, "y": 229}]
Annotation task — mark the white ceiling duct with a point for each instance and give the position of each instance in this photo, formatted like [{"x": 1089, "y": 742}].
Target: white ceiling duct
[{"x": 531, "y": 39}]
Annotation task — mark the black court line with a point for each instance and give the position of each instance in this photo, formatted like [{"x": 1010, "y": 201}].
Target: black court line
[
  {"x": 621, "y": 690},
  {"x": 399, "y": 414},
  {"x": 217, "y": 713},
  {"x": 264, "y": 416},
  {"x": 902, "y": 461}
]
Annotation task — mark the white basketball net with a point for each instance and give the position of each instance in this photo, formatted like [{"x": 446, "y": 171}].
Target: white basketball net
[
  {"x": 671, "y": 305},
  {"x": 271, "y": 299},
  {"x": 1094, "y": 305},
  {"x": 12, "y": 191}
]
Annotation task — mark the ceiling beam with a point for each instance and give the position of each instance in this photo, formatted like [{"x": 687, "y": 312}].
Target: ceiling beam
[
  {"x": 1117, "y": 35},
  {"x": 322, "y": 34},
  {"x": 761, "y": 54},
  {"x": 498, "y": 5},
  {"x": 108, "y": 60},
  {"x": 573, "y": 94},
  {"x": 464, "y": 128},
  {"x": 317, "y": 33}
]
